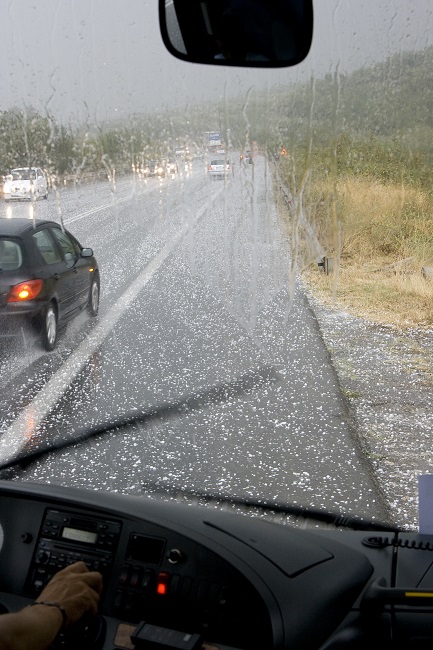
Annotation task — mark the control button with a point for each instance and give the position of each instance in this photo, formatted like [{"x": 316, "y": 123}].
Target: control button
[
  {"x": 135, "y": 577},
  {"x": 147, "y": 581},
  {"x": 41, "y": 573},
  {"x": 175, "y": 556},
  {"x": 124, "y": 574},
  {"x": 118, "y": 600},
  {"x": 43, "y": 557},
  {"x": 175, "y": 584},
  {"x": 186, "y": 587},
  {"x": 128, "y": 603},
  {"x": 224, "y": 596},
  {"x": 162, "y": 583}
]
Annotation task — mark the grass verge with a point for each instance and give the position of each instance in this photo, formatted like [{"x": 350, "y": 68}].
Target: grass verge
[{"x": 385, "y": 237}]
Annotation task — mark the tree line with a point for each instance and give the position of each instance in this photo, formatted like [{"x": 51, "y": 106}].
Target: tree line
[{"x": 28, "y": 138}]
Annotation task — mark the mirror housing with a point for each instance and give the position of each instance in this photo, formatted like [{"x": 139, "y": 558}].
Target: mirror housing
[
  {"x": 247, "y": 33},
  {"x": 87, "y": 252}
]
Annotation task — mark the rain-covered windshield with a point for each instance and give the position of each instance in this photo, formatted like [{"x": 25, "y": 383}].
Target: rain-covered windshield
[{"x": 305, "y": 272}]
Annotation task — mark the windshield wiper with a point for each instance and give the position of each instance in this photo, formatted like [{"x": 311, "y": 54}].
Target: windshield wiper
[
  {"x": 216, "y": 394},
  {"x": 334, "y": 519}
]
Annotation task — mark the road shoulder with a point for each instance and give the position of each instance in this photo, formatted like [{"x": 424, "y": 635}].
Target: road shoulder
[{"x": 386, "y": 376}]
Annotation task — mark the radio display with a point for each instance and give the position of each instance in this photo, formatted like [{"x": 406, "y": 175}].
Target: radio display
[{"x": 79, "y": 535}]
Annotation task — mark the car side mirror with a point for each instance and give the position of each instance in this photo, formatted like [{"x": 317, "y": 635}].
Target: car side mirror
[
  {"x": 87, "y": 252},
  {"x": 248, "y": 33}
]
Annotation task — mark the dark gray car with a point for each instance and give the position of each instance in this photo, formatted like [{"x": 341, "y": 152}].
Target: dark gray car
[{"x": 46, "y": 276}]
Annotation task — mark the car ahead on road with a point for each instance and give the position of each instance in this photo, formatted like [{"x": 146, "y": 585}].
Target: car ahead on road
[
  {"x": 155, "y": 168},
  {"x": 172, "y": 167},
  {"x": 46, "y": 276},
  {"x": 219, "y": 168},
  {"x": 25, "y": 183}
]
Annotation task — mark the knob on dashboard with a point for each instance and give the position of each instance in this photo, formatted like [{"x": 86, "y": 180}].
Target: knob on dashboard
[
  {"x": 175, "y": 556},
  {"x": 43, "y": 557}
]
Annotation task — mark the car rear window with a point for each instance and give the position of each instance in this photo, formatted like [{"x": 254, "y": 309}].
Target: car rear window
[
  {"x": 23, "y": 174},
  {"x": 11, "y": 257},
  {"x": 217, "y": 162}
]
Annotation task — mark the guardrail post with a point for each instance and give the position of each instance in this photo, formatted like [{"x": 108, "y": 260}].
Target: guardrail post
[{"x": 327, "y": 264}]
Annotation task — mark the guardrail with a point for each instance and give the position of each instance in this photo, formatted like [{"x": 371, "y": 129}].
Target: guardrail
[{"x": 298, "y": 214}]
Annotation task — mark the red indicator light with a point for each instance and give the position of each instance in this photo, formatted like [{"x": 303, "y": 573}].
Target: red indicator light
[
  {"x": 162, "y": 583},
  {"x": 25, "y": 291}
]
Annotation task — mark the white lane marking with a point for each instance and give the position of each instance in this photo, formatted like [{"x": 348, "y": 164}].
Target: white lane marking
[
  {"x": 116, "y": 201},
  {"x": 27, "y": 423},
  {"x": 106, "y": 206}
]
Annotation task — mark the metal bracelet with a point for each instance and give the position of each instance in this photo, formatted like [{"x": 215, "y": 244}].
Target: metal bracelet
[{"x": 53, "y": 604}]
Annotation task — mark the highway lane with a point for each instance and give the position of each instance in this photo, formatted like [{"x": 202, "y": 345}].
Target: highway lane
[
  {"x": 196, "y": 290},
  {"x": 111, "y": 220}
]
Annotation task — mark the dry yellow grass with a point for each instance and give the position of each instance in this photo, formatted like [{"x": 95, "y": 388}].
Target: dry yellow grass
[
  {"x": 403, "y": 300},
  {"x": 385, "y": 238}
]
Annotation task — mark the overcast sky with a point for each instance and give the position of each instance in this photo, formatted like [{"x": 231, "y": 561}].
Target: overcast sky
[{"x": 99, "y": 59}]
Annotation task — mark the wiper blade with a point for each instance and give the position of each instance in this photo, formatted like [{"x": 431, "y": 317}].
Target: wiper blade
[
  {"x": 216, "y": 394},
  {"x": 334, "y": 519}
]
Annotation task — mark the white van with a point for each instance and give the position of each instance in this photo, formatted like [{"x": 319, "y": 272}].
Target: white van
[{"x": 25, "y": 183}]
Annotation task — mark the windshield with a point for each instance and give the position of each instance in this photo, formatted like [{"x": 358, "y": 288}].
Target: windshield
[{"x": 305, "y": 273}]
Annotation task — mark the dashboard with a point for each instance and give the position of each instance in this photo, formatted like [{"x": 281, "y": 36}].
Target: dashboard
[{"x": 189, "y": 576}]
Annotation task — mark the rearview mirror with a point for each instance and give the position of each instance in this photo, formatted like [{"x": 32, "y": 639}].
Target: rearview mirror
[{"x": 248, "y": 33}]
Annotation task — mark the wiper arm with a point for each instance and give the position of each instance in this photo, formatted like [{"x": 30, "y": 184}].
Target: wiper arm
[
  {"x": 214, "y": 395},
  {"x": 335, "y": 519}
]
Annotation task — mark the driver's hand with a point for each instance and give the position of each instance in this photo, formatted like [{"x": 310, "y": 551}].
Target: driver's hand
[{"x": 76, "y": 589}]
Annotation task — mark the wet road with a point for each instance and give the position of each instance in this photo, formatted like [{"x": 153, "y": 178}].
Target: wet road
[{"x": 196, "y": 290}]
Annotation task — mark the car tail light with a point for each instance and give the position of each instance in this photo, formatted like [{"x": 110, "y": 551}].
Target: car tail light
[
  {"x": 209, "y": 168},
  {"x": 25, "y": 291}
]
